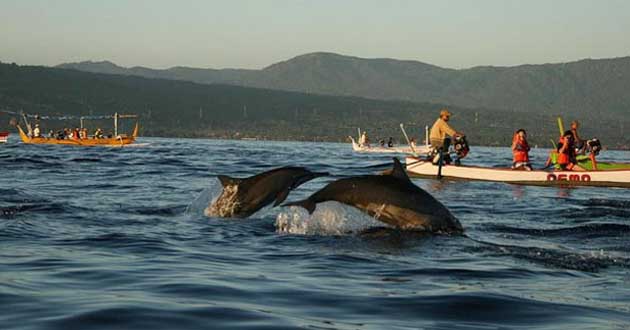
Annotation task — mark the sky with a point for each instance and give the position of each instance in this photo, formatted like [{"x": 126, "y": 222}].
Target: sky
[{"x": 254, "y": 34}]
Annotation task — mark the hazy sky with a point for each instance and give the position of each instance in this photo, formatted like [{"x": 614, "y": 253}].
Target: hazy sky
[{"x": 254, "y": 34}]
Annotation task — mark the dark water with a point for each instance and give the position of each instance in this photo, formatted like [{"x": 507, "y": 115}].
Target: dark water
[{"x": 102, "y": 238}]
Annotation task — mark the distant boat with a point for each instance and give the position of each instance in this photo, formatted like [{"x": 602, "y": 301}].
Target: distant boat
[
  {"x": 117, "y": 140},
  {"x": 395, "y": 149},
  {"x": 4, "y": 137},
  {"x": 411, "y": 148}
]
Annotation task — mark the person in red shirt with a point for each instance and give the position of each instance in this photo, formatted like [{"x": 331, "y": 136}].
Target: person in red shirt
[
  {"x": 520, "y": 151},
  {"x": 566, "y": 152}
]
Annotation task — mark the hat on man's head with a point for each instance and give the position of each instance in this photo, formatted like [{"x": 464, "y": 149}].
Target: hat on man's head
[{"x": 445, "y": 112}]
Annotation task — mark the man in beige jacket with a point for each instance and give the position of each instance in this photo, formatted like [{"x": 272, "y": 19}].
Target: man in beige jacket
[{"x": 440, "y": 130}]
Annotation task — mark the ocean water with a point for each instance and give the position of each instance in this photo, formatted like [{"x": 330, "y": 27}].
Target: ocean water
[{"x": 98, "y": 238}]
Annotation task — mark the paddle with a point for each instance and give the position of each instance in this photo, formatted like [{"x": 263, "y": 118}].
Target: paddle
[{"x": 560, "y": 125}]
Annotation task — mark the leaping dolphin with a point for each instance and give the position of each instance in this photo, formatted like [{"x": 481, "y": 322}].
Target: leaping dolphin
[
  {"x": 243, "y": 197},
  {"x": 391, "y": 198}
]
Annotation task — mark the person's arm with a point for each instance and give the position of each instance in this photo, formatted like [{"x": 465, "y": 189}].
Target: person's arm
[{"x": 448, "y": 129}]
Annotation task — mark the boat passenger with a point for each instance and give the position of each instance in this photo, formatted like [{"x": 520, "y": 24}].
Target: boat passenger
[
  {"x": 364, "y": 141},
  {"x": 83, "y": 133},
  {"x": 37, "y": 131},
  {"x": 520, "y": 151},
  {"x": 51, "y": 134},
  {"x": 580, "y": 146},
  {"x": 566, "y": 153},
  {"x": 98, "y": 134},
  {"x": 390, "y": 142},
  {"x": 76, "y": 133},
  {"x": 440, "y": 135},
  {"x": 381, "y": 142}
]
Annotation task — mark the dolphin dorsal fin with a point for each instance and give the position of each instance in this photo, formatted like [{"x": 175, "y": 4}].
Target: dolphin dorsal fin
[
  {"x": 228, "y": 181},
  {"x": 398, "y": 171}
]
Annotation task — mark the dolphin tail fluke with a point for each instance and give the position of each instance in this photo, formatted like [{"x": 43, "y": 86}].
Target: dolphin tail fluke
[
  {"x": 228, "y": 181},
  {"x": 307, "y": 204}
]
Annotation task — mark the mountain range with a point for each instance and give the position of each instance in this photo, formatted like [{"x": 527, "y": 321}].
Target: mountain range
[{"x": 586, "y": 88}]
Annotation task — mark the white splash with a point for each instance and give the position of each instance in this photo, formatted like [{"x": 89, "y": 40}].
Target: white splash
[
  {"x": 207, "y": 197},
  {"x": 224, "y": 205},
  {"x": 329, "y": 218}
]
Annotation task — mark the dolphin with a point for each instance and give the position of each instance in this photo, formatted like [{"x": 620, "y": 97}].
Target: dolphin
[
  {"x": 392, "y": 199},
  {"x": 241, "y": 198}
]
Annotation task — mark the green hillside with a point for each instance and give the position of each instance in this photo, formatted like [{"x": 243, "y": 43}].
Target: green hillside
[
  {"x": 586, "y": 89},
  {"x": 186, "y": 109}
]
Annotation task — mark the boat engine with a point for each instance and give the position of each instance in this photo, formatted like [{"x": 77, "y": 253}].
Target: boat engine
[
  {"x": 594, "y": 146},
  {"x": 461, "y": 147}
]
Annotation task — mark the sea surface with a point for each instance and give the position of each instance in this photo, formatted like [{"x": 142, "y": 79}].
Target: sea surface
[{"x": 100, "y": 238}]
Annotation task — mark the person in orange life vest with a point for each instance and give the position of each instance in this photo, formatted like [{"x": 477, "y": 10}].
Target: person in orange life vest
[
  {"x": 520, "y": 151},
  {"x": 566, "y": 153}
]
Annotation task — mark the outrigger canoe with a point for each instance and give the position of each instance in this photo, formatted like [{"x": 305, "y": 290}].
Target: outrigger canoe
[
  {"x": 618, "y": 176},
  {"x": 116, "y": 141},
  {"x": 4, "y": 137},
  {"x": 401, "y": 150}
]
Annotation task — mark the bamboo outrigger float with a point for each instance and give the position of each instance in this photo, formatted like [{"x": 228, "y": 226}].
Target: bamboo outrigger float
[{"x": 117, "y": 140}]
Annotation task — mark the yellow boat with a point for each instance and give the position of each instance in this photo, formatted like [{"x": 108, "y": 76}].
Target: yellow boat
[{"x": 118, "y": 140}]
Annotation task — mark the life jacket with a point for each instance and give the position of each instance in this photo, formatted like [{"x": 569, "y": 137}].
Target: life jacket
[
  {"x": 521, "y": 151},
  {"x": 565, "y": 157}
]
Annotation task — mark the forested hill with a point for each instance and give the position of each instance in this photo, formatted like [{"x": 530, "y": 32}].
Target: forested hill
[
  {"x": 179, "y": 108},
  {"x": 584, "y": 88}
]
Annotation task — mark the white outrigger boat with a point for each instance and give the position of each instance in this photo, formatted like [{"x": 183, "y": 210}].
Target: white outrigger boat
[
  {"x": 411, "y": 147},
  {"x": 396, "y": 149},
  {"x": 614, "y": 177}
]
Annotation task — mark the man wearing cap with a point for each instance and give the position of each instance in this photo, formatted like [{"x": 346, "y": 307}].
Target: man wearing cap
[{"x": 440, "y": 130}]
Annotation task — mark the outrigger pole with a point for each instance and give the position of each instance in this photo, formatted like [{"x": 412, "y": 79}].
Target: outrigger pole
[
  {"x": 116, "y": 117},
  {"x": 402, "y": 127}
]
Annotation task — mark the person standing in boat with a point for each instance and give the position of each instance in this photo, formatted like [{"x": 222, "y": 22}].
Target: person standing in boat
[
  {"x": 440, "y": 134},
  {"x": 520, "y": 151}
]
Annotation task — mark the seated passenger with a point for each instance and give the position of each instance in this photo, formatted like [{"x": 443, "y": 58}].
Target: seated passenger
[
  {"x": 37, "y": 131},
  {"x": 520, "y": 151},
  {"x": 390, "y": 142},
  {"x": 364, "y": 141},
  {"x": 98, "y": 134},
  {"x": 566, "y": 153}
]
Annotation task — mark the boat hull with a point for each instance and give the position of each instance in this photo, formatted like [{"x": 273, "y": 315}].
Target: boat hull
[
  {"x": 4, "y": 137},
  {"x": 603, "y": 178}
]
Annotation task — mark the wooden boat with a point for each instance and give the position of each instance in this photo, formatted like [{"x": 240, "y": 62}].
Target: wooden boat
[
  {"x": 4, "y": 137},
  {"x": 615, "y": 177},
  {"x": 117, "y": 140}
]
